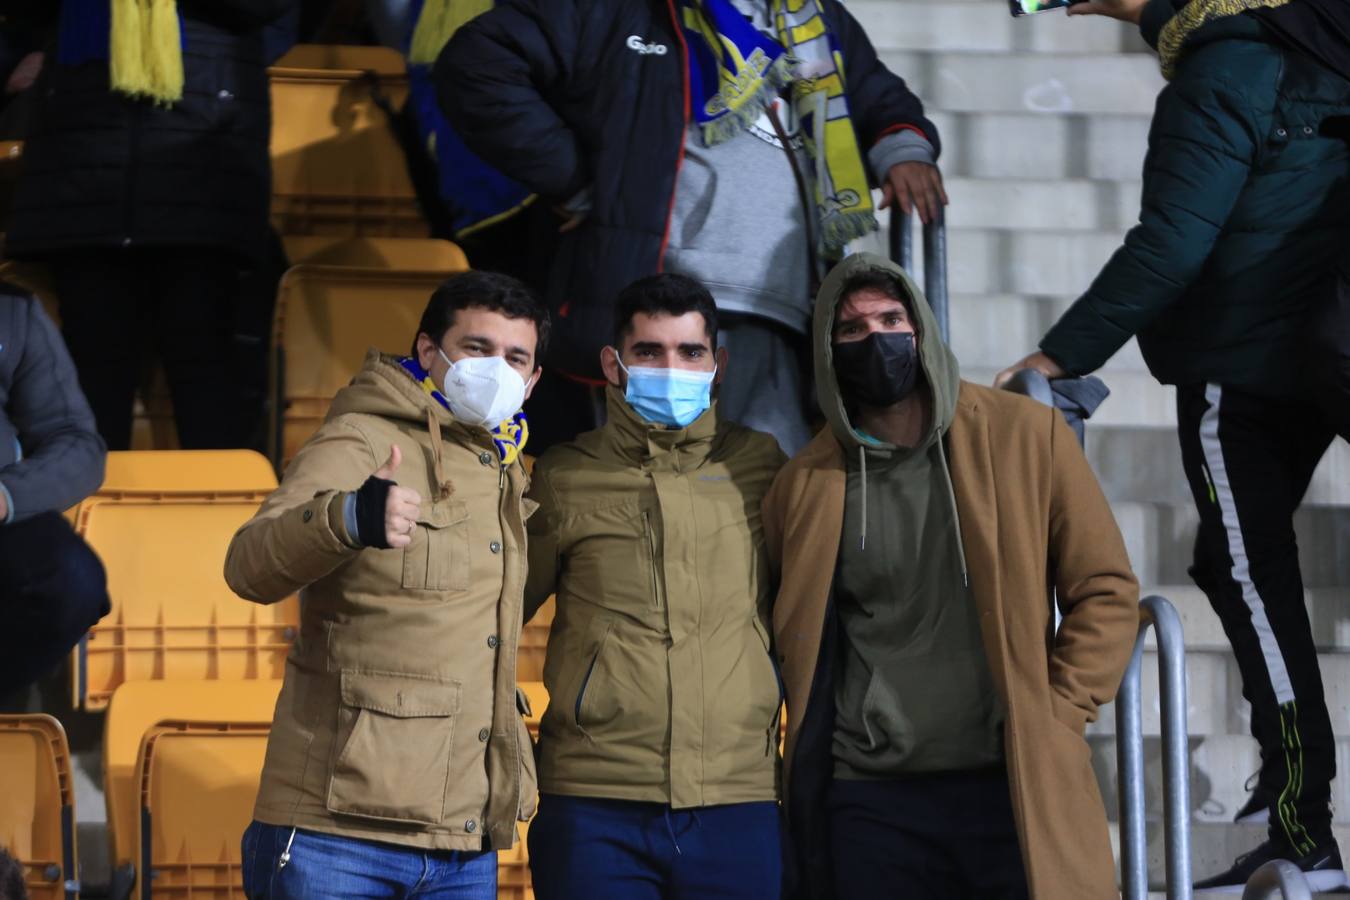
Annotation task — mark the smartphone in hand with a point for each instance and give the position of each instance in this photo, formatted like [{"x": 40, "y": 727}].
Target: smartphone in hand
[{"x": 1028, "y": 7}]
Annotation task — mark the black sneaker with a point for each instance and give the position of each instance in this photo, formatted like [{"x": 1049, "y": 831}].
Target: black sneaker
[{"x": 1322, "y": 868}]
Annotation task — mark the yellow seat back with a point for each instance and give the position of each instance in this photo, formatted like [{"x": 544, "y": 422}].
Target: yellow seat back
[
  {"x": 187, "y": 472},
  {"x": 417, "y": 254},
  {"x": 337, "y": 167},
  {"x": 172, "y": 614},
  {"x": 137, "y": 706},
  {"x": 198, "y": 782},
  {"x": 37, "y": 803},
  {"x": 327, "y": 317}
]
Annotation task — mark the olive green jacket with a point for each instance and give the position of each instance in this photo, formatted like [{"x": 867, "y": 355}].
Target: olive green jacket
[{"x": 662, "y": 685}]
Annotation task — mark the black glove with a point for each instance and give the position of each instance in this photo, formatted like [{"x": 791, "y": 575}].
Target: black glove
[{"x": 371, "y": 500}]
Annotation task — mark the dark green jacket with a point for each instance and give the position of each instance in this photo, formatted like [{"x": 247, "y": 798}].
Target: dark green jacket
[{"x": 1246, "y": 202}]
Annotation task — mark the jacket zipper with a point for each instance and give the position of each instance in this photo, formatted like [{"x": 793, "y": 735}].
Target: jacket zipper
[
  {"x": 651, "y": 554},
  {"x": 684, "y": 132},
  {"x": 585, "y": 683}
]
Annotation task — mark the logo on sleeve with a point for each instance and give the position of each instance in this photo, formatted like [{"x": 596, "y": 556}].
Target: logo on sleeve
[{"x": 642, "y": 48}]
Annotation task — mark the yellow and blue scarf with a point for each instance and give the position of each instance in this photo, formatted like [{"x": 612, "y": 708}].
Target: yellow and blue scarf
[
  {"x": 142, "y": 40},
  {"x": 735, "y": 72},
  {"x": 510, "y": 435}
]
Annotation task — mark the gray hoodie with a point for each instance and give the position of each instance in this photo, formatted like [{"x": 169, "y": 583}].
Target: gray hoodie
[{"x": 915, "y": 694}]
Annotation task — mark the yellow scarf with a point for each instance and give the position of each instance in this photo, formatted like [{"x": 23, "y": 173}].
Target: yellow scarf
[
  {"x": 439, "y": 21},
  {"x": 146, "y": 50},
  {"x": 1192, "y": 17}
]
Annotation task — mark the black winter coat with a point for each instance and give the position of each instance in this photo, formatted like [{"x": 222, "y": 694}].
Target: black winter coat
[
  {"x": 567, "y": 94},
  {"x": 102, "y": 170}
]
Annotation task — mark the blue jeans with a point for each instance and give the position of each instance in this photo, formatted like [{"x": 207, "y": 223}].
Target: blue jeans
[
  {"x": 282, "y": 863},
  {"x": 622, "y": 850}
]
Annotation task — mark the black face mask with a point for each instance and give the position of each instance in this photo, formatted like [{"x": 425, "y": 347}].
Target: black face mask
[{"x": 880, "y": 370}]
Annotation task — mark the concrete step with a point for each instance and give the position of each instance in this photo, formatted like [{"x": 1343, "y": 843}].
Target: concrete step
[
  {"x": 1033, "y": 203},
  {"x": 1056, "y": 263},
  {"x": 1328, "y": 612},
  {"x": 1160, "y": 538},
  {"x": 1144, "y": 464},
  {"x": 1042, "y": 145},
  {"x": 1220, "y": 767},
  {"x": 1030, "y": 82},
  {"x": 1214, "y": 695},
  {"x": 987, "y": 26}
]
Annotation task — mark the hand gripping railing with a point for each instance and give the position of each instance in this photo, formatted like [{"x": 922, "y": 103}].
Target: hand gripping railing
[
  {"x": 1157, "y": 613},
  {"x": 1277, "y": 878},
  {"x": 934, "y": 261}
]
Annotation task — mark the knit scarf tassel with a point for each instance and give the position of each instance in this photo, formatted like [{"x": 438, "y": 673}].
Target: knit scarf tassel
[
  {"x": 437, "y": 23},
  {"x": 146, "y": 50},
  {"x": 724, "y": 128},
  {"x": 1193, "y": 16}
]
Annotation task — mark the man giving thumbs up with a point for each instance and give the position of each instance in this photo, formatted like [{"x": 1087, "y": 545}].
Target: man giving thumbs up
[{"x": 398, "y": 759}]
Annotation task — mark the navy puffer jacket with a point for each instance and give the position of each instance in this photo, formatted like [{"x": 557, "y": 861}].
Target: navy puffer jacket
[{"x": 1246, "y": 207}]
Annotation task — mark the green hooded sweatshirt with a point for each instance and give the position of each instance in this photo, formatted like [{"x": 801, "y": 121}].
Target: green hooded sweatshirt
[{"x": 914, "y": 693}]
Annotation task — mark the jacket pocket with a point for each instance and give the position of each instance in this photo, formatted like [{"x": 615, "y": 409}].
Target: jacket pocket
[
  {"x": 396, "y": 734},
  {"x": 438, "y": 557},
  {"x": 592, "y": 679},
  {"x": 529, "y": 779},
  {"x": 649, "y": 535},
  {"x": 1068, "y": 713}
]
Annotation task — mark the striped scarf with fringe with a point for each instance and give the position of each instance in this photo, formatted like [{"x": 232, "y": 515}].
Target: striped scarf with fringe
[
  {"x": 142, "y": 40},
  {"x": 1195, "y": 15},
  {"x": 735, "y": 72}
]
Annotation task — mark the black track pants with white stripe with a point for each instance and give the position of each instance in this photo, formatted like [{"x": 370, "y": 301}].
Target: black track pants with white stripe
[{"x": 1249, "y": 460}]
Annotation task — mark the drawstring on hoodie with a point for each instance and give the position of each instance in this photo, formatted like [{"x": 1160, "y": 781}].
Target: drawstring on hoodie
[
  {"x": 437, "y": 457},
  {"x": 862, "y": 466}
]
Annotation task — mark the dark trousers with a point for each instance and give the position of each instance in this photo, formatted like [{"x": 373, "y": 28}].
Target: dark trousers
[
  {"x": 946, "y": 836},
  {"x": 622, "y": 850},
  {"x": 1249, "y": 460},
  {"x": 52, "y": 590},
  {"x": 187, "y": 307}
]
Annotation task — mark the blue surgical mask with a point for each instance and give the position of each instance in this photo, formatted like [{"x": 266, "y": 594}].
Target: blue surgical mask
[{"x": 670, "y": 397}]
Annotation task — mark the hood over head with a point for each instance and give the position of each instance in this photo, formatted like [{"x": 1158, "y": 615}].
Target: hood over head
[{"x": 941, "y": 373}]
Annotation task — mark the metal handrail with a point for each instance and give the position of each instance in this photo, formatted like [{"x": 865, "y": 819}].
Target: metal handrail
[
  {"x": 1158, "y": 613},
  {"x": 901, "y": 239},
  {"x": 1277, "y": 878}
]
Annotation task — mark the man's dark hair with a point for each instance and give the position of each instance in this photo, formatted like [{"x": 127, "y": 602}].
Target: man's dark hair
[
  {"x": 666, "y": 294},
  {"x": 11, "y": 878},
  {"x": 484, "y": 290},
  {"x": 886, "y": 283}
]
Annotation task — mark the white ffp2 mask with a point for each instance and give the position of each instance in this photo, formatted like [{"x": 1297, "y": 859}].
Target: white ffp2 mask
[{"x": 483, "y": 390}]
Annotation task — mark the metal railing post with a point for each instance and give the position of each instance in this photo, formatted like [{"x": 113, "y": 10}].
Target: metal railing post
[
  {"x": 1277, "y": 878},
  {"x": 1162, "y": 617},
  {"x": 901, "y": 246},
  {"x": 1130, "y": 777}
]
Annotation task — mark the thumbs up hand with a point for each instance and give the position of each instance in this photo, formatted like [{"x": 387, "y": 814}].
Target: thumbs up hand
[
  {"x": 401, "y": 505},
  {"x": 386, "y": 514}
]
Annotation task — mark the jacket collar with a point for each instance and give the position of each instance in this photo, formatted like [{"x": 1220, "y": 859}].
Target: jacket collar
[{"x": 646, "y": 446}]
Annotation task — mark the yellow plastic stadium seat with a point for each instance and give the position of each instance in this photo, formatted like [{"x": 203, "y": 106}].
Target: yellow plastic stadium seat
[
  {"x": 513, "y": 870},
  {"x": 173, "y": 616},
  {"x": 337, "y": 167},
  {"x": 37, "y": 804},
  {"x": 419, "y": 254},
  {"x": 538, "y": 699},
  {"x": 197, "y": 783},
  {"x": 187, "y": 472},
  {"x": 327, "y": 317},
  {"x": 534, "y": 643},
  {"x": 136, "y": 707}
]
